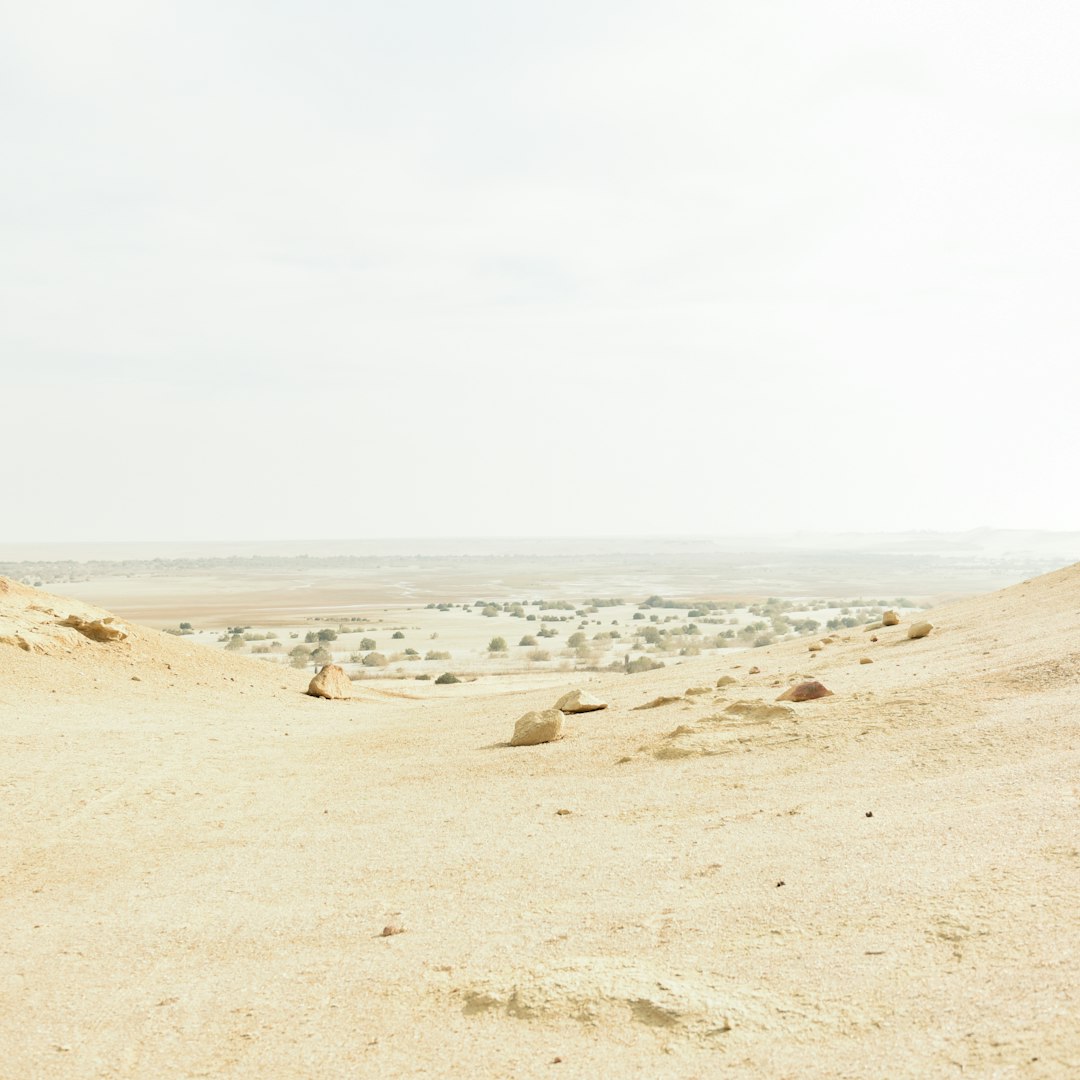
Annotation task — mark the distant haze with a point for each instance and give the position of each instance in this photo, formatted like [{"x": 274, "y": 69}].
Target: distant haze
[{"x": 562, "y": 269}]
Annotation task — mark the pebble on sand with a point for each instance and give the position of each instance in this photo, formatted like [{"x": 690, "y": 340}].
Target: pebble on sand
[{"x": 919, "y": 629}]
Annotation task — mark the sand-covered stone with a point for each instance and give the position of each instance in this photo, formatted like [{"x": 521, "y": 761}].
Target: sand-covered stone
[
  {"x": 919, "y": 629},
  {"x": 579, "y": 701},
  {"x": 105, "y": 630},
  {"x": 806, "y": 691},
  {"x": 727, "y": 680},
  {"x": 537, "y": 727},
  {"x": 815, "y": 646},
  {"x": 865, "y": 660},
  {"x": 756, "y": 709},
  {"x": 890, "y": 618},
  {"x": 331, "y": 682},
  {"x": 657, "y": 702}
]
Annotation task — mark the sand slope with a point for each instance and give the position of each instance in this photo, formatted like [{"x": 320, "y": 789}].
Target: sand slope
[{"x": 197, "y": 866}]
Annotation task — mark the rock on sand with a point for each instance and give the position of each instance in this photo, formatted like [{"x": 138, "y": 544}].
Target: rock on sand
[
  {"x": 578, "y": 701},
  {"x": 805, "y": 691},
  {"x": 890, "y": 618},
  {"x": 919, "y": 629},
  {"x": 331, "y": 682},
  {"x": 537, "y": 727}
]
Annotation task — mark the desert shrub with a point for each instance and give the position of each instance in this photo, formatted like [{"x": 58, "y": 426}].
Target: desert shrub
[
  {"x": 547, "y": 631},
  {"x": 235, "y": 642},
  {"x": 432, "y": 654},
  {"x": 642, "y": 663},
  {"x": 530, "y": 617},
  {"x": 528, "y": 639},
  {"x": 539, "y": 655},
  {"x": 490, "y": 611},
  {"x": 411, "y": 652},
  {"x": 421, "y": 678},
  {"x": 367, "y": 644},
  {"x": 497, "y": 644},
  {"x": 446, "y": 678},
  {"x": 374, "y": 659},
  {"x": 639, "y": 615},
  {"x": 261, "y": 649},
  {"x": 576, "y": 639},
  {"x": 397, "y": 635},
  {"x": 185, "y": 626},
  {"x": 321, "y": 656}
]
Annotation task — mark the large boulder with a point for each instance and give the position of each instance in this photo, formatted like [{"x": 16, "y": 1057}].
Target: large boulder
[
  {"x": 537, "y": 727},
  {"x": 331, "y": 682},
  {"x": 107, "y": 629},
  {"x": 577, "y": 701}
]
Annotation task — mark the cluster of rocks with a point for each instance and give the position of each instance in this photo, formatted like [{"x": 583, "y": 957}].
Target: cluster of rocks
[{"x": 545, "y": 725}]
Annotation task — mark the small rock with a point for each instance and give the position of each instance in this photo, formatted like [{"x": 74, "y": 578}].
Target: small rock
[
  {"x": 579, "y": 701},
  {"x": 816, "y": 647},
  {"x": 331, "y": 682},
  {"x": 874, "y": 638},
  {"x": 728, "y": 680},
  {"x": 754, "y": 671},
  {"x": 537, "y": 727},
  {"x": 890, "y": 618},
  {"x": 865, "y": 660},
  {"x": 394, "y": 926},
  {"x": 694, "y": 691},
  {"x": 135, "y": 678},
  {"x": 562, "y": 813},
  {"x": 919, "y": 629},
  {"x": 805, "y": 691}
]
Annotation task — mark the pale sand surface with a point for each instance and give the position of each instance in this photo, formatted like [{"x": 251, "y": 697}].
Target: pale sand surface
[{"x": 197, "y": 866}]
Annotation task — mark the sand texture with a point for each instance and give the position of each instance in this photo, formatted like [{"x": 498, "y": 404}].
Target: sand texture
[{"x": 208, "y": 873}]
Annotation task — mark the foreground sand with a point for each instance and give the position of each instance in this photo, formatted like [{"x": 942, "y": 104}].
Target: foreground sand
[{"x": 197, "y": 866}]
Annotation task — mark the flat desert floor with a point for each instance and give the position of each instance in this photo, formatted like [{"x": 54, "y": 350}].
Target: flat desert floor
[{"x": 207, "y": 873}]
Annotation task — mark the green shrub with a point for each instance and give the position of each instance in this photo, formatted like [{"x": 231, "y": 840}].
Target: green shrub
[
  {"x": 367, "y": 644},
  {"x": 446, "y": 678},
  {"x": 397, "y": 635},
  {"x": 528, "y": 639},
  {"x": 497, "y": 644},
  {"x": 576, "y": 639}
]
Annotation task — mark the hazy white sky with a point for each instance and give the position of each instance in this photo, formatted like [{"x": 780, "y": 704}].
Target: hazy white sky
[{"x": 598, "y": 267}]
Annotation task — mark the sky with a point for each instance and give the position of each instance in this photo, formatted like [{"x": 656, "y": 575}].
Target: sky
[{"x": 495, "y": 268}]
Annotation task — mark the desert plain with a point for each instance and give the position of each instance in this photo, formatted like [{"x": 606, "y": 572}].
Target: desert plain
[{"x": 207, "y": 872}]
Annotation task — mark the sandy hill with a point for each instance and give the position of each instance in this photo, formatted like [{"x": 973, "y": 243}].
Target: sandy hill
[{"x": 199, "y": 862}]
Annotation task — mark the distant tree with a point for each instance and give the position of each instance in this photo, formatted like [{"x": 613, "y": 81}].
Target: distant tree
[{"x": 185, "y": 626}]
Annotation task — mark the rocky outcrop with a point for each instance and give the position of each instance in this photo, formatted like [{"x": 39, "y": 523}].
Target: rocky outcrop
[{"x": 106, "y": 629}]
